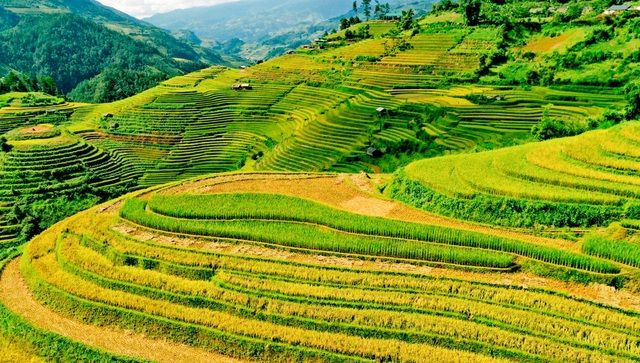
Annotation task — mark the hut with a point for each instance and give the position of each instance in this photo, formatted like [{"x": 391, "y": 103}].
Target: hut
[
  {"x": 242, "y": 87},
  {"x": 616, "y": 9},
  {"x": 382, "y": 111},
  {"x": 374, "y": 152},
  {"x": 107, "y": 115}
]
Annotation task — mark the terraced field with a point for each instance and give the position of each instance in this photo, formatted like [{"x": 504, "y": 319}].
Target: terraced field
[
  {"x": 310, "y": 111},
  {"x": 587, "y": 180},
  {"x": 230, "y": 267},
  {"x": 47, "y": 164}
]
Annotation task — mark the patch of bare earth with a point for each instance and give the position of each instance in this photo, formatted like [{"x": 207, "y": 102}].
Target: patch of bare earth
[
  {"x": 15, "y": 294},
  {"x": 35, "y": 129}
]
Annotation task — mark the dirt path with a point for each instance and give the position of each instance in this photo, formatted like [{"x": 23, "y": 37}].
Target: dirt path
[{"x": 15, "y": 294}]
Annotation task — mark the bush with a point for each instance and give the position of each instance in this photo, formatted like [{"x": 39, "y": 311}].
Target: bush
[
  {"x": 550, "y": 128},
  {"x": 4, "y": 145},
  {"x": 632, "y": 93}
]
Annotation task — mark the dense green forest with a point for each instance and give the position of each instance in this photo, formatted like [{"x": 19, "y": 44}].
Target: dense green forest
[{"x": 93, "y": 53}]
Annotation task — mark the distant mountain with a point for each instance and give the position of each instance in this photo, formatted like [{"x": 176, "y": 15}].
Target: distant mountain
[
  {"x": 250, "y": 20},
  {"x": 266, "y": 28},
  {"x": 93, "y": 52}
]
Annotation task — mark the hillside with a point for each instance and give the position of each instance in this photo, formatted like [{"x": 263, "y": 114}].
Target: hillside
[
  {"x": 259, "y": 29},
  {"x": 588, "y": 180},
  {"x": 440, "y": 85},
  {"x": 229, "y": 273},
  {"x": 461, "y": 185},
  {"x": 94, "y": 53}
]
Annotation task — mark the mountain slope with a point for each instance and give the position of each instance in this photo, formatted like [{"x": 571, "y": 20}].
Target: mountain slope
[
  {"x": 441, "y": 85},
  {"x": 266, "y": 28},
  {"x": 249, "y": 20},
  {"x": 109, "y": 54}
]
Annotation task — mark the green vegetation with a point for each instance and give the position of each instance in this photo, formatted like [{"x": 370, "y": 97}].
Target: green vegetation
[
  {"x": 444, "y": 87},
  {"x": 582, "y": 181},
  {"x": 313, "y": 237},
  {"x": 90, "y": 52},
  {"x": 333, "y": 271},
  {"x": 278, "y": 208},
  {"x": 622, "y": 251}
]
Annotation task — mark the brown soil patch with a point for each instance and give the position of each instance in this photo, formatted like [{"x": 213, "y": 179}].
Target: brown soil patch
[
  {"x": 559, "y": 43},
  {"x": 15, "y": 294},
  {"x": 368, "y": 206},
  {"x": 35, "y": 129}
]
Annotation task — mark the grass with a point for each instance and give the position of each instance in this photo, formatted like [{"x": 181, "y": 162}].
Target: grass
[
  {"x": 280, "y": 208},
  {"x": 311, "y": 237},
  {"x": 622, "y": 251}
]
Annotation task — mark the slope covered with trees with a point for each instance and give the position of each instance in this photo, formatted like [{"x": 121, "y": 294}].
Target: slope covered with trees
[{"x": 93, "y": 53}]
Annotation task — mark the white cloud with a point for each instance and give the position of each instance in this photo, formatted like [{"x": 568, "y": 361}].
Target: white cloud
[{"x": 145, "y": 8}]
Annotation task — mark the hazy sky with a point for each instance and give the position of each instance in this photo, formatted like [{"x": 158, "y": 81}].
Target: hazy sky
[{"x": 144, "y": 8}]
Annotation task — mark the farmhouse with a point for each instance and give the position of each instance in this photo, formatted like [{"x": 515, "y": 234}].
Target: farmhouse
[
  {"x": 107, "y": 115},
  {"x": 382, "y": 111},
  {"x": 615, "y": 9},
  {"x": 241, "y": 87}
]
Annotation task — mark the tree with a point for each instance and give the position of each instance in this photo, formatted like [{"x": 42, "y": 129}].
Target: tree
[
  {"x": 406, "y": 21},
  {"x": 355, "y": 7},
  {"x": 471, "y": 11},
  {"x": 344, "y": 23},
  {"x": 632, "y": 92},
  {"x": 551, "y": 128},
  {"x": 445, "y": 5},
  {"x": 4, "y": 145},
  {"x": 366, "y": 5}
]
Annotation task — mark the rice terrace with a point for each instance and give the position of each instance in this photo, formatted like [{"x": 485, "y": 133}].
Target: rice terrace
[{"x": 335, "y": 181}]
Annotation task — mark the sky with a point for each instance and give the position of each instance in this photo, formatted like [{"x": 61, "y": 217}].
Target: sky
[{"x": 146, "y": 8}]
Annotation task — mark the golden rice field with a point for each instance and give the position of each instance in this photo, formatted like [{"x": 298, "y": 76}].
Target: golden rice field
[{"x": 307, "y": 267}]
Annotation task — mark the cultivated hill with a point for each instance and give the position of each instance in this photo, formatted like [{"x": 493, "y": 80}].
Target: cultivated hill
[
  {"x": 93, "y": 52},
  {"x": 311, "y": 267},
  {"x": 588, "y": 180},
  {"x": 377, "y": 196},
  {"x": 369, "y": 98}
]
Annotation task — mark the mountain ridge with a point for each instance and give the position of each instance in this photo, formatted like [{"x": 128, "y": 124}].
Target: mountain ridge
[{"x": 91, "y": 49}]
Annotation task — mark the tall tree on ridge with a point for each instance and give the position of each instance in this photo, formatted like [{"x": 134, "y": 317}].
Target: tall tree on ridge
[
  {"x": 366, "y": 5},
  {"x": 471, "y": 10}
]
